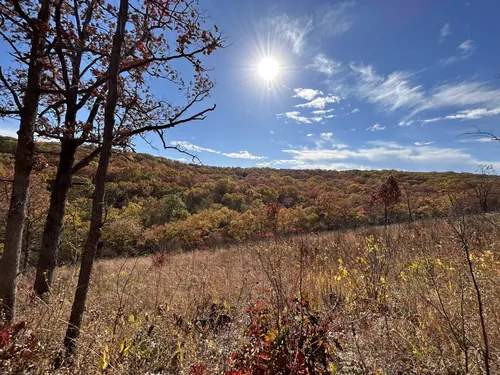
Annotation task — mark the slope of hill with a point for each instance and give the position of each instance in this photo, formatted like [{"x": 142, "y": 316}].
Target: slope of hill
[{"x": 158, "y": 204}]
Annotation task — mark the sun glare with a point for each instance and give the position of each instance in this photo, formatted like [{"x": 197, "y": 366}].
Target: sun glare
[{"x": 269, "y": 69}]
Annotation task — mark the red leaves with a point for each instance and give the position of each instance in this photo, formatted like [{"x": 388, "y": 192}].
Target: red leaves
[
  {"x": 296, "y": 345},
  {"x": 159, "y": 260},
  {"x": 4, "y": 338}
]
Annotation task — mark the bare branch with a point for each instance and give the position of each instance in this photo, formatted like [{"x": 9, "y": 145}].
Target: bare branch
[
  {"x": 173, "y": 123},
  {"x": 86, "y": 160},
  {"x": 11, "y": 90}
]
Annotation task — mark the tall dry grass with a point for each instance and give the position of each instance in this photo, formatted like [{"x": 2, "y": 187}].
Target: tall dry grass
[{"x": 397, "y": 300}]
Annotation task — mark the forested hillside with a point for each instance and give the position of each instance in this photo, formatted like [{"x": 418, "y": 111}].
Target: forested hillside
[{"x": 155, "y": 204}]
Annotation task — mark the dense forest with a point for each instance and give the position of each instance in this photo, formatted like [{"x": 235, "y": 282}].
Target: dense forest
[{"x": 156, "y": 204}]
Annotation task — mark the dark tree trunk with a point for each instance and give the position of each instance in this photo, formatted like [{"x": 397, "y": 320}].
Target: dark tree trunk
[
  {"x": 25, "y": 152},
  {"x": 89, "y": 250},
  {"x": 47, "y": 259},
  {"x": 410, "y": 213}
]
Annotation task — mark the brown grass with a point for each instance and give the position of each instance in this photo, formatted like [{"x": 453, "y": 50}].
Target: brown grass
[{"x": 398, "y": 300}]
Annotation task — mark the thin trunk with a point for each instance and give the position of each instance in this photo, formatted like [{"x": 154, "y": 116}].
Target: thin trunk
[
  {"x": 409, "y": 207},
  {"x": 89, "y": 250},
  {"x": 47, "y": 259},
  {"x": 24, "y": 156}
]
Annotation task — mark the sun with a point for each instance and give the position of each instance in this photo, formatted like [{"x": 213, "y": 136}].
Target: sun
[{"x": 269, "y": 69}]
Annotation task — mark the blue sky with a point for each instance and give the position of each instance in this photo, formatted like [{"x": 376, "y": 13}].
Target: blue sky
[{"x": 379, "y": 84}]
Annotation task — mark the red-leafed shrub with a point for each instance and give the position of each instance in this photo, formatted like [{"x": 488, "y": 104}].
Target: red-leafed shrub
[
  {"x": 17, "y": 347},
  {"x": 293, "y": 341},
  {"x": 159, "y": 260}
]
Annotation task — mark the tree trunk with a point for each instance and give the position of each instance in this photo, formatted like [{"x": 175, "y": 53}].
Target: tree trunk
[
  {"x": 25, "y": 152},
  {"x": 410, "y": 213},
  {"x": 89, "y": 250},
  {"x": 47, "y": 259}
]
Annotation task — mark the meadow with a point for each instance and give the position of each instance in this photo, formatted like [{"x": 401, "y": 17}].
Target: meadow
[{"x": 407, "y": 299}]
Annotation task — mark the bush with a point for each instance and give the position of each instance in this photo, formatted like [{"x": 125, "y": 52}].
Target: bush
[
  {"x": 17, "y": 347},
  {"x": 293, "y": 341}
]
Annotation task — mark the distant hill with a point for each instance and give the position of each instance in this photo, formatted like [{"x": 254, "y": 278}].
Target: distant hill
[{"x": 159, "y": 204}]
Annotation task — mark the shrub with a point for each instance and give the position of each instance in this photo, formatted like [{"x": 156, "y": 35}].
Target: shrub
[
  {"x": 17, "y": 347},
  {"x": 159, "y": 260},
  {"x": 293, "y": 341}
]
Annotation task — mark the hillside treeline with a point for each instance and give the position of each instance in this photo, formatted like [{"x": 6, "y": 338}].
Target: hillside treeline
[{"x": 156, "y": 204}]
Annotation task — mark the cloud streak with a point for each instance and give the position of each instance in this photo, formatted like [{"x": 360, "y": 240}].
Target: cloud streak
[
  {"x": 235, "y": 155},
  {"x": 293, "y": 30},
  {"x": 445, "y": 32},
  {"x": 378, "y": 155},
  {"x": 466, "y": 49},
  {"x": 336, "y": 19}
]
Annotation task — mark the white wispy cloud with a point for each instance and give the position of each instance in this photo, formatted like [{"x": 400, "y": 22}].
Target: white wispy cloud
[
  {"x": 336, "y": 19},
  {"x": 390, "y": 93},
  {"x": 467, "y": 46},
  {"x": 474, "y": 114},
  {"x": 191, "y": 147},
  {"x": 445, "y": 32},
  {"x": 244, "y": 155},
  {"x": 307, "y": 94},
  {"x": 397, "y": 92},
  {"x": 299, "y": 118},
  {"x": 461, "y": 94},
  {"x": 478, "y": 140},
  {"x": 293, "y": 30},
  {"x": 237, "y": 155},
  {"x": 324, "y": 65},
  {"x": 376, "y": 127},
  {"x": 295, "y": 116},
  {"x": 465, "y": 50},
  {"x": 322, "y": 112},
  {"x": 355, "y": 110},
  {"x": 379, "y": 155},
  {"x": 320, "y": 103}
]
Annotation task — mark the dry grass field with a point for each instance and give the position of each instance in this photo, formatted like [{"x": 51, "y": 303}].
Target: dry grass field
[{"x": 397, "y": 300}]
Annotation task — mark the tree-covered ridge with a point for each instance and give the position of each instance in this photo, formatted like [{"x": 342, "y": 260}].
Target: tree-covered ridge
[{"x": 153, "y": 203}]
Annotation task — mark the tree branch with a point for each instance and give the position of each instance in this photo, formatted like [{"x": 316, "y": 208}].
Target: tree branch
[
  {"x": 86, "y": 160},
  {"x": 11, "y": 90},
  {"x": 171, "y": 124}
]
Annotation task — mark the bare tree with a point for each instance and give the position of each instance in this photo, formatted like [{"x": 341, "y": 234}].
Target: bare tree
[{"x": 483, "y": 185}]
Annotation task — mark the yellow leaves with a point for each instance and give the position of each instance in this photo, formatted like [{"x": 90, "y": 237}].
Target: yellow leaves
[
  {"x": 180, "y": 352},
  {"x": 271, "y": 336},
  {"x": 124, "y": 349},
  {"x": 131, "y": 318},
  {"x": 403, "y": 275},
  {"x": 104, "y": 358}
]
